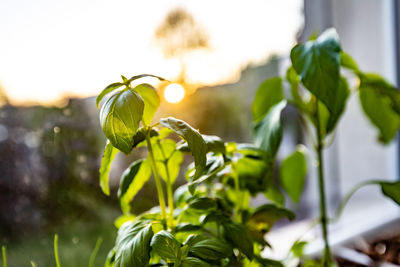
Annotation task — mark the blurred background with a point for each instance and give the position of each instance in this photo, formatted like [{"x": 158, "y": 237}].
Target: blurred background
[{"x": 55, "y": 56}]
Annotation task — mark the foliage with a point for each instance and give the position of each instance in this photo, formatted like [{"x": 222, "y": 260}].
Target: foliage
[
  {"x": 319, "y": 91},
  {"x": 206, "y": 222}
]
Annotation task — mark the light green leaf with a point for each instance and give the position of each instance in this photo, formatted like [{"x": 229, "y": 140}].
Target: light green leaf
[
  {"x": 239, "y": 237},
  {"x": 268, "y": 94},
  {"x": 194, "y": 262},
  {"x": 168, "y": 159},
  {"x": 381, "y": 104},
  {"x": 269, "y": 214},
  {"x": 110, "y": 260},
  {"x": 133, "y": 179},
  {"x": 298, "y": 248},
  {"x": 268, "y": 132},
  {"x": 317, "y": 63},
  {"x": 108, "y": 157},
  {"x": 151, "y": 101},
  {"x": 391, "y": 190},
  {"x": 348, "y": 62},
  {"x": 214, "y": 144},
  {"x": 253, "y": 173},
  {"x": 120, "y": 117},
  {"x": 166, "y": 246},
  {"x": 274, "y": 194},
  {"x": 133, "y": 244},
  {"x": 194, "y": 139},
  {"x": 293, "y": 172},
  {"x": 107, "y": 90}
]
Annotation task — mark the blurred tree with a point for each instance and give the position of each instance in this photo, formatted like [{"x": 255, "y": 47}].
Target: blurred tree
[{"x": 179, "y": 35}]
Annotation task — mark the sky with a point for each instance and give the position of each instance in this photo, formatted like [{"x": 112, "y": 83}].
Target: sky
[{"x": 51, "y": 49}]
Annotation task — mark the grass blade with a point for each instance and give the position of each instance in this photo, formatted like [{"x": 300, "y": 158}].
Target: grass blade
[
  {"x": 56, "y": 250},
  {"x": 3, "y": 252},
  {"x": 94, "y": 252}
]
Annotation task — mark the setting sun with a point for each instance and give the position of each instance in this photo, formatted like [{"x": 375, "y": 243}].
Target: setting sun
[{"x": 174, "y": 93}]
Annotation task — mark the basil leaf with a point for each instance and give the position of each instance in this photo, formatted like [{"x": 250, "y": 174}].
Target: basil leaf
[
  {"x": 166, "y": 246},
  {"x": 108, "y": 157},
  {"x": 238, "y": 235},
  {"x": 133, "y": 244},
  {"x": 194, "y": 139},
  {"x": 318, "y": 63},
  {"x": 151, "y": 101},
  {"x": 133, "y": 179},
  {"x": 269, "y": 93},
  {"x": 391, "y": 190},
  {"x": 120, "y": 117},
  {"x": 293, "y": 172},
  {"x": 107, "y": 90}
]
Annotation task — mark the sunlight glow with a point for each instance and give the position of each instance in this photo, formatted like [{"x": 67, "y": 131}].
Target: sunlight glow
[{"x": 174, "y": 93}]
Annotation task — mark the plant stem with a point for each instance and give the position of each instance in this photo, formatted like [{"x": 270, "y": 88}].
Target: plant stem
[
  {"x": 239, "y": 197},
  {"x": 327, "y": 253},
  {"x": 160, "y": 190},
  {"x": 4, "y": 253},
  {"x": 94, "y": 252},
  {"x": 56, "y": 251},
  {"x": 170, "y": 195}
]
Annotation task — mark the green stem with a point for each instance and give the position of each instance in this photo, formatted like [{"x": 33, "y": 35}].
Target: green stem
[
  {"x": 321, "y": 184},
  {"x": 239, "y": 197},
  {"x": 160, "y": 190},
  {"x": 56, "y": 251},
  {"x": 349, "y": 196},
  {"x": 170, "y": 194},
  {"x": 95, "y": 251},
  {"x": 4, "y": 253}
]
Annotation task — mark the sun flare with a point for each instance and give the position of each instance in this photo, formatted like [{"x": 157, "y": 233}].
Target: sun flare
[{"x": 174, "y": 93}]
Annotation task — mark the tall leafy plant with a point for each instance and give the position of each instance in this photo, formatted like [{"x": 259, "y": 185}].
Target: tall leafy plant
[
  {"x": 318, "y": 90},
  {"x": 206, "y": 222}
]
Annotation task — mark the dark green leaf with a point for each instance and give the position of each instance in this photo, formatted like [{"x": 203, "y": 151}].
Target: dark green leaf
[
  {"x": 253, "y": 173},
  {"x": 107, "y": 90},
  {"x": 268, "y": 94},
  {"x": 317, "y": 63},
  {"x": 339, "y": 105},
  {"x": 268, "y": 132},
  {"x": 120, "y": 117},
  {"x": 133, "y": 244},
  {"x": 209, "y": 248},
  {"x": 151, "y": 101},
  {"x": 187, "y": 227},
  {"x": 239, "y": 237},
  {"x": 140, "y": 136},
  {"x": 269, "y": 213},
  {"x": 133, "y": 179},
  {"x": 381, "y": 104},
  {"x": 108, "y": 157},
  {"x": 203, "y": 203},
  {"x": 166, "y": 246},
  {"x": 348, "y": 62},
  {"x": 195, "y": 141},
  {"x": 391, "y": 190},
  {"x": 214, "y": 144},
  {"x": 293, "y": 172},
  {"x": 194, "y": 262}
]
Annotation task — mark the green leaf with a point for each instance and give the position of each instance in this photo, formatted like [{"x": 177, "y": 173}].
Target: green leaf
[
  {"x": 203, "y": 203},
  {"x": 107, "y": 90},
  {"x": 348, "y": 62},
  {"x": 317, "y": 63},
  {"x": 166, "y": 246},
  {"x": 133, "y": 244},
  {"x": 274, "y": 194},
  {"x": 343, "y": 93},
  {"x": 268, "y": 94},
  {"x": 110, "y": 260},
  {"x": 140, "y": 136},
  {"x": 145, "y": 75},
  {"x": 391, "y": 190},
  {"x": 168, "y": 159},
  {"x": 381, "y": 103},
  {"x": 298, "y": 248},
  {"x": 108, "y": 157},
  {"x": 266, "y": 215},
  {"x": 214, "y": 144},
  {"x": 194, "y": 139},
  {"x": 194, "y": 262},
  {"x": 187, "y": 227},
  {"x": 133, "y": 179},
  {"x": 268, "y": 132},
  {"x": 253, "y": 173},
  {"x": 208, "y": 248},
  {"x": 239, "y": 237},
  {"x": 293, "y": 172},
  {"x": 151, "y": 101},
  {"x": 120, "y": 117}
]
